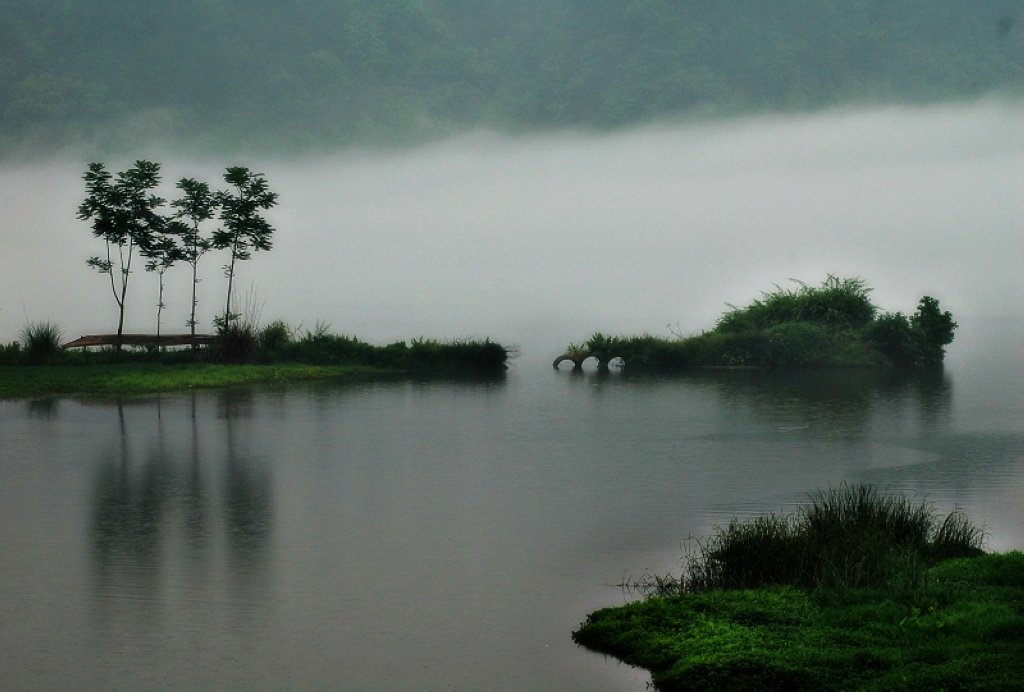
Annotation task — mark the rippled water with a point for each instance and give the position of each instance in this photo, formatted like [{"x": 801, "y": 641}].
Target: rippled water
[{"x": 443, "y": 533}]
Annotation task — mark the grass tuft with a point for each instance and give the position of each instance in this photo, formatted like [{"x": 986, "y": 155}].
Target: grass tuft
[
  {"x": 853, "y": 536},
  {"x": 41, "y": 342}
]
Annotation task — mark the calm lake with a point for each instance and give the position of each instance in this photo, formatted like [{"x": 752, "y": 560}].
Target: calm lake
[{"x": 443, "y": 534}]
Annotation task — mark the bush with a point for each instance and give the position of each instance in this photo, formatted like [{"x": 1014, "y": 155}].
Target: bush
[
  {"x": 837, "y": 302},
  {"x": 795, "y": 343},
  {"x": 10, "y": 354},
  {"x": 274, "y": 336},
  {"x": 919, "y": 340},
  {"x": 235, "y": 344}
]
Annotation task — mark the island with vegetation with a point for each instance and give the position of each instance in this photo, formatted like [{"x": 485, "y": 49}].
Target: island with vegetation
[
  {"x": 135, "y": 224},
  {"x": 831, "y": 325},
  {"x": 859, "y": 589},
  {"x": 37, "y": 365}
]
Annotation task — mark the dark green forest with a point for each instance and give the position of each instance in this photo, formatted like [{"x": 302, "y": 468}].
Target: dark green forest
[{"x": 313, "y": 73}]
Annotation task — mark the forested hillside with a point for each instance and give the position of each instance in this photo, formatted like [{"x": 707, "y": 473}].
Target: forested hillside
[{"x": 323, "y": 72}]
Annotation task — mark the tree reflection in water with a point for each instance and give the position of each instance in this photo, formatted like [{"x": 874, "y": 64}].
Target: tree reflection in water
[{"x": 171, "y": 490}]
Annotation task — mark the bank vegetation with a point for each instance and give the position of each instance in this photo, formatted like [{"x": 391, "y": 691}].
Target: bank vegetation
[
  {"x": 37, "y": 365},
  {"x": 859, "y": 589}
]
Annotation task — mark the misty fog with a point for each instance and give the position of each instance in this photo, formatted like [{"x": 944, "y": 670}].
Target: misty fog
[{"x": 544, "y": 239}]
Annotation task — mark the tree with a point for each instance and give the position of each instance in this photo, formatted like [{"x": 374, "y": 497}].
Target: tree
[
  {"x": 196, "y": 205},
  {"x": 244, "y": 230},
  {"x": 162, "y": 253},
  {"x": 934, "y": 329},
  {"x": 124, "y": 214}
]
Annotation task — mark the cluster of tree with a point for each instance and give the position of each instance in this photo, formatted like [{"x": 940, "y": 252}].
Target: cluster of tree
[
  {"x": 130, "y": 218},
  {"x": 345, "y": 70}
]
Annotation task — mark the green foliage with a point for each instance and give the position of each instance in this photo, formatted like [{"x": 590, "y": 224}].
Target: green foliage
[
  {"x": 833, "y": 324},
  {"x": 320, "y": 347},
  {"x": 124, "y": 215},
  {"x": 919, "y": 340},
  {"x": 851, "y": 537},
  {"x": 10, "y": 354},
  {"x": 196, "y": 205},
  {"x": 935, "y": 329},
  {"x": 962, "y": 629},
  {"x": 244, "y": 229},
  {"x": 40, "y": 342},
  {"x": 274, "y": 336},
  {"x": 326, "y": 72},
  {"x": 601, "y": 347},
  {"x": 792, "y": 344},
  {"x": 127, "y": 373},
  {"x": 235, "y": 343},
  {"x": 240, "y": 354},
  {"x": 837, "y": 302}
]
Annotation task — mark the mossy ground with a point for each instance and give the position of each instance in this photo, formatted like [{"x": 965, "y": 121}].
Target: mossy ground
[{"x": 962, "y": 628}]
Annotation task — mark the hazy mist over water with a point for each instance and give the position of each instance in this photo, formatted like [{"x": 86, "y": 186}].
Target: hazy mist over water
[{"x": 543, "y": 239}]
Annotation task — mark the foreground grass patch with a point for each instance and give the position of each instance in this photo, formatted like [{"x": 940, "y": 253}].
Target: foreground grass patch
[
  {"x": 144, "y": 378},
  {"x": 858, "y": 589},
  {"x": 962, "y": 628}
]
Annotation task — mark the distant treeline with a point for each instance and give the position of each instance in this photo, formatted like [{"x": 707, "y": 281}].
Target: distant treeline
[{"x": 326, "y": 72}]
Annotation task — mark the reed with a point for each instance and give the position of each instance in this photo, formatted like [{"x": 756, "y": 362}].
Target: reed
[
  {"x": 853, "y": 536},
  {"x": 41, "y": 342}
]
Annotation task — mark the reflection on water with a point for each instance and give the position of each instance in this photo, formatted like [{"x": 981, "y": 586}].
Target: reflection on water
[
  {"x": 158, "y": 508},
  {"x": 411, "y": 534}
]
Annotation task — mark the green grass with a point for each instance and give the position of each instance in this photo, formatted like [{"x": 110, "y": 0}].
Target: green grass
[
  {"x": 851, "y": 536},
  {"x": 36, "y": 366},
  {"x": 963, "y": 630},
  {"x": 145, "y": 378},
  {"x": 857, "y": 590}
]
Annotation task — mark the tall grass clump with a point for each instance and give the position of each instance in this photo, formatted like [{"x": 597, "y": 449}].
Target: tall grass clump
[
  {"x": 837, "y": 302},
  {"x": 848, "y": 537},
  {"x": 236, "y": 343},
  {"x": 41, "y": 342}
]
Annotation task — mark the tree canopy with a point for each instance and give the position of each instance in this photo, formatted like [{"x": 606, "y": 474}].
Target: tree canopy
[{"x": 315, "y": 72}]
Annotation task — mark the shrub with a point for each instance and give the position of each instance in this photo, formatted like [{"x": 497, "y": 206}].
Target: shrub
[
  {"x": 10, "y": 354},
  {"x": 795, "y": 343},
  {"x": 274, "y": 336},
  {"x": 837, "y": 302},
  {"x": 919, "y": 340},
  {"x": 236, "y": 343}
]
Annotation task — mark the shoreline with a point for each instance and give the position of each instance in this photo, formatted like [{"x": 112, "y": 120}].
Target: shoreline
[
  {"x": 963, "y": 629},
  {"x": 129, "y": 379}
]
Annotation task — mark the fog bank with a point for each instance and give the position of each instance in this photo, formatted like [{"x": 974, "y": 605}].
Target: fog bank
[{"x": 542, "y": 240}]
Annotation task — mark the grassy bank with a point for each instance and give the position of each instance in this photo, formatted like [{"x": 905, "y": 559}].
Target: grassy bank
[
  {"x": 147, "y": 378},
  {"x": 857, "y": 591},
  {"x": 831, "y": 325},
  {"x": 37, "y": 366}
]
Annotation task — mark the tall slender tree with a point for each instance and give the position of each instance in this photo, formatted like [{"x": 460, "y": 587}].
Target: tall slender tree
[
  {"x": 244, "y": 229},
  {"x": 124, "y": 213},
  {"x": 162, "y": 252},
  {"x": 196, "y": 205}
]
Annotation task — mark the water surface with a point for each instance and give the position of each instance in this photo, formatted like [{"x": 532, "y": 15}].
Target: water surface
[{"x": 421, "y": 534}]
